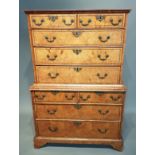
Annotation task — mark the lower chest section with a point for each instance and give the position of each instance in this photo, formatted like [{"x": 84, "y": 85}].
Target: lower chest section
[{"x": 75, "y": 114}]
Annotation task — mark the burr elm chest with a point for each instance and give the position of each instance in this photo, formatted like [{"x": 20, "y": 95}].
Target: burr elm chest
[{"x": 78, "y": 94}]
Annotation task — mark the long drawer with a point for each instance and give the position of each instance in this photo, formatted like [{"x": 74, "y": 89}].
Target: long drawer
[
  {"x": 51, "y": 38},
  {"x": 78, "y": 97},
  {"x": 81, "y": 129},
  {"x": 67, "y": 74},
  {"x": 50, "y": 56},
  {"x": 78, "y": 111}
]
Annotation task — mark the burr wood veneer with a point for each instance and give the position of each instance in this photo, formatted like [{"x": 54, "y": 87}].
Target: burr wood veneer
[{"x": 78, "y": 95}]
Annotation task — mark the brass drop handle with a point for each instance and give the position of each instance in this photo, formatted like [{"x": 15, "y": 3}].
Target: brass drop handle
[
  {"x": 53, "y": 129},
  {"x": 76, "y": 33},
  {"x": 77, "y": 123},
  {"x": 84, "y": 99},
  {"x": 100, "y": 18},
  {"x": 103, "y": 58},
  {"x": 51, "y": 58},
  {"x": 105, "y": 40},
  {"x": 77, "y": 51},
  {"x": 40, "y": 97},
  {"x": 69, "y": 97},
  {"x": 53, "y": 18},
  {"x": 50, "y": 40},
  {"x": 115, "y": 98},
  {"x": 102, "y": 131},
  {"x": 68, "y": 24},
  {"x": 103, "y": 112},
  {"x": 86, "y": 24},
  {"x": 101, "y": 76},
  {"x": 77, "y": 69},
  {"x": 52, "y": 112},
  {"x": 38, "y": 24},
  {"x": 53, "y": 75},
  {"x": 115, "y": 24}
]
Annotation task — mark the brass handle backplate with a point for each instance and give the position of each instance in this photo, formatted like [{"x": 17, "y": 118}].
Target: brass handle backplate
[
  {"x": 115, "y": 98},
  {"x": 100, "y": 18},
  {"x": 76, "y": 33},
  {"x": 40, "y": 97},
  {"x": 84, "y": 98},
  {"x": 53, "y": 129},
  {"x": 86, "y": 24},
  {"x": 103, "y": 113},
  {"x": 53, "y": 75},
  {"x": 38, "y": 24},
  {"x": 115, "y": 24},
  {"x": 68, "y": 24},
  {"x": 50, "y": 40},
  {"x": 105, "y": 40},
  {"x": 52, "y": 112},
  {"x": 51, "y": 58},
  {"x": 53, "y": 18},
  {"x": 102, "y": 131},
  {"x": 101, "y": 76},
  {"x": 77, "y": 51},
  {"x": 77, "y": 69}
]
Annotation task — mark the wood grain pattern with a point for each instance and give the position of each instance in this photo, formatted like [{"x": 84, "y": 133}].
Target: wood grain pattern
[
  {"x": 52, "y": 21},
  {"x": 113, "y": 11},
  {"x": 63, "y": 38},
  {"x": 83, "y": 56},
  {"x": 79, "y": 87},
  {"x": 78, "y": 96},
  {"x": 89, "y": 21},
  {"x": 78, "y": 111},
  {"x": 79, "y": 129},
  {"x": 61, "y": 74}
]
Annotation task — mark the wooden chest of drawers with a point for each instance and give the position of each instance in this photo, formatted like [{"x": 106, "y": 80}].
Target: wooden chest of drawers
[{"x": 78, "y": 95}]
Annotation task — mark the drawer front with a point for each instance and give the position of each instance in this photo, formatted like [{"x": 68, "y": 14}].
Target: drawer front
[
  {"x": 60, "y": 74},
  {"x": 78, "y": 111},
  {"x": 55, "y": 96},
  {"x": 53, "y": 21},
  {"x": 74, "y": 38},
  {"x": 101, "y": 20},
  {"x": 79, "y": 129},
  {"x": 49, "y": 56},
  {"x": 101, "y": 97}
]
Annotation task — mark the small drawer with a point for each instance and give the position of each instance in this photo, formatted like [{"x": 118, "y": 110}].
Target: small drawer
[
  {"x": 63, "y": 38},
  {"x": 50, "y": 56},
  {"x": 55, "y": 96},
  {"x": 101, "y": 20},
  {"x": 53, "y": 21},
  {"x": 79, "y": 111},
  {"x": 101, "y": 97},
  {"x": 79, "y": 129},
  {"x": 78, "y": 75}
]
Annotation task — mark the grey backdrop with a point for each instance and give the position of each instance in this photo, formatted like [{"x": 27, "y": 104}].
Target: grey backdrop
[{"x": 26, "y": 77}]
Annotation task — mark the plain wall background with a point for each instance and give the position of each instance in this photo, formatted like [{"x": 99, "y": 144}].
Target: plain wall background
[{"x": 26, "y": 69}]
